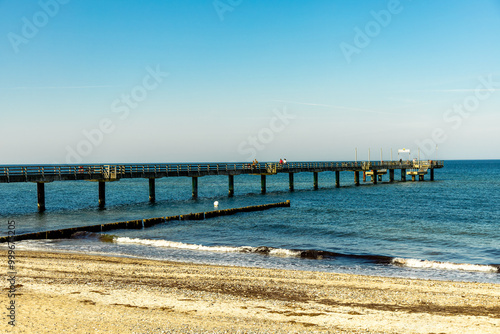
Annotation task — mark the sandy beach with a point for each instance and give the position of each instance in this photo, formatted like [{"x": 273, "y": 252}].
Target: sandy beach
[{"x": 75, "y": 293}]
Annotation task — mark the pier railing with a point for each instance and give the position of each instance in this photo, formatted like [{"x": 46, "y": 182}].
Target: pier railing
[
  {"x": 41, "y": 173},
  {"x": 107, "y": 172}
]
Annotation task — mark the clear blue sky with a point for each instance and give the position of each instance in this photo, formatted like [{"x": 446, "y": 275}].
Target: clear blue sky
[{"x": 232, "y": 80}]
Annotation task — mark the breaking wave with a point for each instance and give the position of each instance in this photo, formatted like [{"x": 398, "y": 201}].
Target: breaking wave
[
  {"x": 312, "y": 254},
  {"x": 425, "y": 264},
  {"x": 221, "y": 249}
]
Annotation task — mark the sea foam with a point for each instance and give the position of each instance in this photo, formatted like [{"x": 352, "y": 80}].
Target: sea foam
[{"x": 425, "y": 264}]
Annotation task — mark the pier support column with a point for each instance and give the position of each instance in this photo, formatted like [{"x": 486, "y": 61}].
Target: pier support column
[
  {"x": 413, "y": 177},
  {"x": 391, "y": 175},
  {"x": 403, "y": 175},
  {"x": 231, "y": 185},
  {"x": 356, "y": 178},
  {"x": 262, "y": 184},
  {"x": 195, "y": 187},
  {"x": 375, "y": 177},
  {"x": 315, "y": 177},
  {"x": 40, "y": 190},
  {"x": 364, "y": 176},
  {"x": 421, "y": 177},
  {"x": 152, "y": 190},
  {"x": 337, "y": 179},
  {"x": 102, "y": 194},
  {"x": 290, "y": 181},
  {"x": 432, "y": 174}
]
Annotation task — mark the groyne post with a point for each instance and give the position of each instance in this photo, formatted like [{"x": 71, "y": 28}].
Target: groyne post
[
  {"x": 231, "y": 185},
  {"x": 262, "y": 184},
  {"x": 290, "y": 181},
  {"x": 152, "y": 191},
  {"x": 40, "y": 190},
  {"x": 315, "y": 177},
  {"x": 195, "y": 187},
  {"x": 337, "y": 179},
  {"x": 102, "y": 194}
]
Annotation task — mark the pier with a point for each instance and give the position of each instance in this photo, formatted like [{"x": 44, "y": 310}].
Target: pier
[{"x": 101, "y": 174}]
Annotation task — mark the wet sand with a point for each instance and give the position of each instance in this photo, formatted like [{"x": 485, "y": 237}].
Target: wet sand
[{"x": 75, "y": 293}]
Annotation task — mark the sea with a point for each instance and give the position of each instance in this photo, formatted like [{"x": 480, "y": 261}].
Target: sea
[{"x": 447, "y": 229}]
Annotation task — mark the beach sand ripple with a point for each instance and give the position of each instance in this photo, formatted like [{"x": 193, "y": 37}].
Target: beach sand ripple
[{"x": 75, "y": 293}]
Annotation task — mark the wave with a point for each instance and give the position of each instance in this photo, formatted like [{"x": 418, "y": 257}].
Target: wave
[
  {"x": 425, "y": 264},
  {"x": 312, "y": 254},
  {"x": 221, "y": 249}
]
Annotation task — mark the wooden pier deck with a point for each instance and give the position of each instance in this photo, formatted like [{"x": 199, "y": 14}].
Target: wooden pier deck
[{"x": 43, "y": 174}]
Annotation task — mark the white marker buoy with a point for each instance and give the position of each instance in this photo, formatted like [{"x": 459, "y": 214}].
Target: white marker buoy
[{"x": 216, "y": 204}]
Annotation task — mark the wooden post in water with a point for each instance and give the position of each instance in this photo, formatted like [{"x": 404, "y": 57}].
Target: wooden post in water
[
  {"x": 403, "y": 175},
  {"x": 337, "y": 179},
  {"x": 102, "y": 194},
  {"x": 421, "y": 177},
  {"x": 315, "y": 176},
  {"x": 152, "y": 190},
  {"x": 231, "y": 185},
  {"x": 40, "y": 189},
  {"x": 195, "y": 187},
  {"x": 432, "y": 174},
  {"x": 374, "y": 176},
  {"x": 391, "y": 175},
  {"x": 262, "y": 184},
  {"x": 356, "y": 178},
  {"x": 364, "y": 176},
  {"x": 290, "y": 181}
]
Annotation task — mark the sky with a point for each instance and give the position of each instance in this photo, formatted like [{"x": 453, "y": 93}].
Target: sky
[{"x": 235, "y": 80}]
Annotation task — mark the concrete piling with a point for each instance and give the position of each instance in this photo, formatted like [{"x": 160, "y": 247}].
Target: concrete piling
[
  {"x": 152, "y": 190},
  {"x": 40, "y": 190},
  {"x": 356, "y": 178},
  {"x": 231, "y": 185},
  {"x": 195, "y": 187},
  {"x": 102, "y": 194}
]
